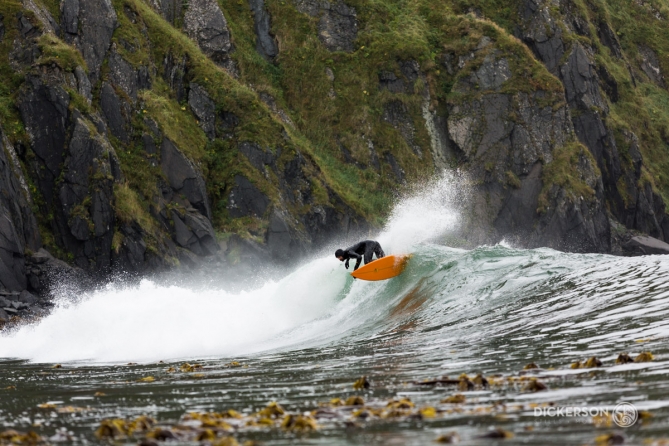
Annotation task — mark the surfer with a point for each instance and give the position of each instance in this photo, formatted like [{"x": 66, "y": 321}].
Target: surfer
[{"x": 366, "y": 248}]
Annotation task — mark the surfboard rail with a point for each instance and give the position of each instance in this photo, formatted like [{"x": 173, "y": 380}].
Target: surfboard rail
[{"x": 384, "y": 268}]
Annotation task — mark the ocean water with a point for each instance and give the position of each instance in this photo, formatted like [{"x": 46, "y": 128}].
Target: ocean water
[{"x": 305, "y": 338}]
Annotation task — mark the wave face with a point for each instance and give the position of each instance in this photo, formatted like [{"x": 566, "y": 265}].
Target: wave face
[{"x": 494, "y": 303}]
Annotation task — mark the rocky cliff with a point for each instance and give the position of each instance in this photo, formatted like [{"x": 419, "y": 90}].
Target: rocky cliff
[{"x": 138, "y": 135}]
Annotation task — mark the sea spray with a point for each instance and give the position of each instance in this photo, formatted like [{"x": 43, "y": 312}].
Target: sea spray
[
  {"x": 427, "y": 212},
  {"x": 317, "y": 302}
]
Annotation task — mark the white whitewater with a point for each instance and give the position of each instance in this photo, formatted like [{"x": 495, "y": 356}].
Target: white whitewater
[{"x": 152, "y": 322}]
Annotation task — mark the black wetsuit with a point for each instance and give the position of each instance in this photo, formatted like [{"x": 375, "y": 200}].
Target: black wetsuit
[{"x": 366, "y": 248}]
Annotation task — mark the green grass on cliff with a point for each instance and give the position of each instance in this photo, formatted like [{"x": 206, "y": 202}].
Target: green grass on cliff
[{"x": 565, "y": 171}]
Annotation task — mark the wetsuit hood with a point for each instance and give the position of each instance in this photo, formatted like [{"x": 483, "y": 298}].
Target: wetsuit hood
[{"x": 339, "y": 253}]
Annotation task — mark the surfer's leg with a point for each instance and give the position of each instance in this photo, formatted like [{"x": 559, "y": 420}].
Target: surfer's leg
[
  {"x": 369, "y": 252},
  {"x": 379, "y": 251}
]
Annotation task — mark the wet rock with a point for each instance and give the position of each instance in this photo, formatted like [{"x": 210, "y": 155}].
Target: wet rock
[
  {"x": 645, "y": 245},
  {"x": 184, "y": 177},
  {"x": 27, "y": 298},
  {"x": 265, "y": 43},
  {"x": 44, "y": 270},
  {"x": 205, "y": 23},
  {"x": 203, "y": 108},
  {"x": 481, "y": 128},
  {"x": 89, "y": 25},
  {"x": 246, "y": 199}
]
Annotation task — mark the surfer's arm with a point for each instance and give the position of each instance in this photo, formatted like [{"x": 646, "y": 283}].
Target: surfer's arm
[{"x": 356, "y": 256}]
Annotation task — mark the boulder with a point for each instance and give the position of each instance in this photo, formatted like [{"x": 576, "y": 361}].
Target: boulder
[
  {"x": 205, "y": 23},
  {"x": 645, "y": 245},
  {"x": 193, "y": 231}
]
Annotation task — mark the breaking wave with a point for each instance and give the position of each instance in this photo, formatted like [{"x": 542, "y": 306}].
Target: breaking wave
[{"x": 513, "y": 302}]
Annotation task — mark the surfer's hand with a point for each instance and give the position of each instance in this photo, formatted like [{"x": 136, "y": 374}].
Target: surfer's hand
[{"x": 346, "y": 264}]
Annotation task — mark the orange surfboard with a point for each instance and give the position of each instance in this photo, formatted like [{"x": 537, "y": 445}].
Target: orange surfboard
[{"x": 383, "y": 268}]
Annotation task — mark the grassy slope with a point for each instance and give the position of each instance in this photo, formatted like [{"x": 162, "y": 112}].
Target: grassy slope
[{"x": 389, "y": 31}]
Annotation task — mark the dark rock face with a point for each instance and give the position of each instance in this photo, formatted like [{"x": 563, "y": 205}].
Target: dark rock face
[
  {"x": 203, "y": 108},
  {"x": 44, "y": 270},
  {"x": 609, "y": 39},
  {"x": 280, "y": 241},
  {"x": 205, "y": 23},
  {"x": 395, "y": 167},
  {"x": 403, "y": 84},
  {"x": 496, "y": 147},
  {"x": 265, "y": 43},
  {"x": 44, "y": 110},
  {"x": 338, "y": 27},
  {"x": 112, "y": 110},
  {"x": 123, "y": 75},
  {"x": 338, "y": 24},
  {"x": 171, "y": 10},
  {"x": 396, "y": 114},
  {"x": 193, "y": 231},
  {"x": 175, "y": 73},
  {"x": 85, "y": 215},
  {"x": 18, "y": 227},
  {"x": 246, "y": 199},
  {"x": 89, "y": 25},
  {"x": 589, "y": 110},
  {"x": 650, "y": 65},
  {"x": 183, "y": 177},
  {"x": 258, "y": 157}
]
